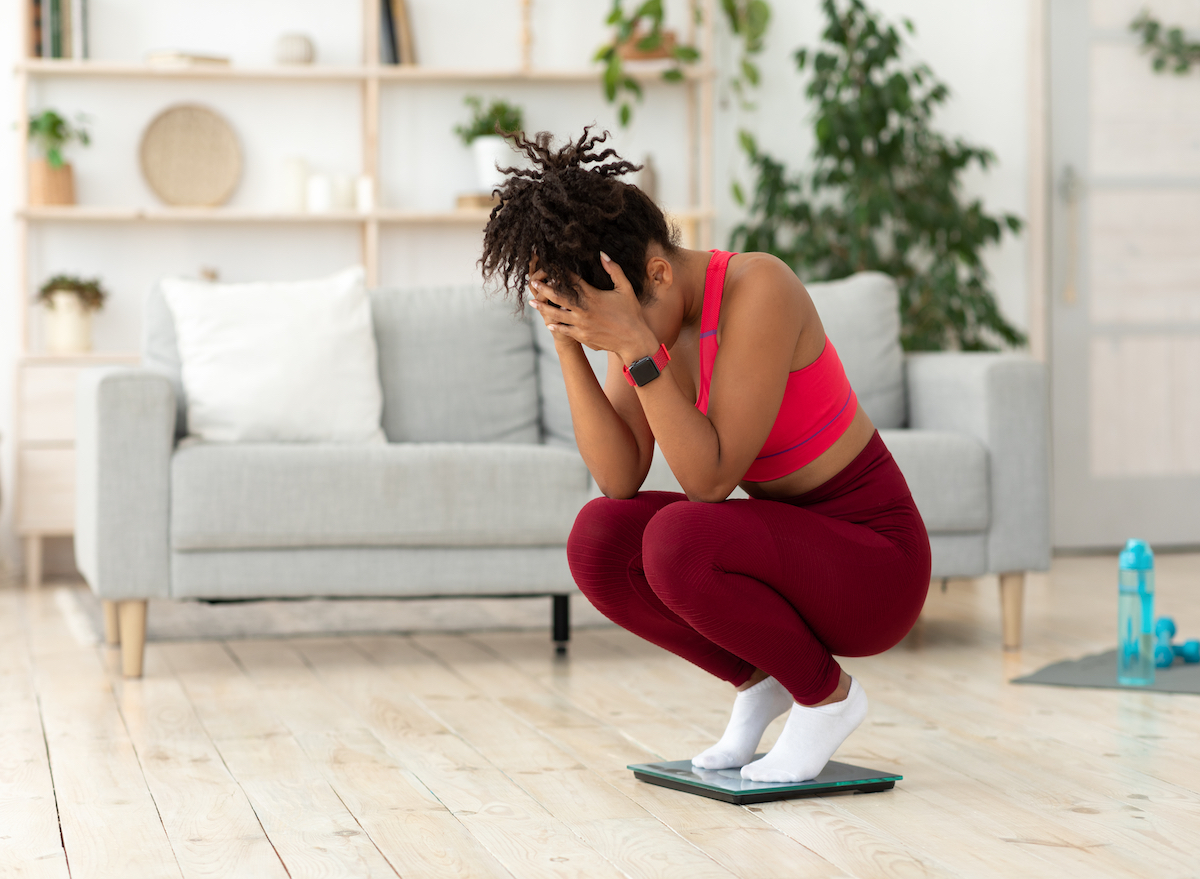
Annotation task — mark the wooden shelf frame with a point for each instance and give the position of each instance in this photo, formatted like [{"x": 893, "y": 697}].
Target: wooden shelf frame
[{"x": 370, "y": 78}]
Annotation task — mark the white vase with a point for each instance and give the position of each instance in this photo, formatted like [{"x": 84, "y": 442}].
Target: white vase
[
  {"x": 491, "y": 151},
  {"x": 68, "y": 324},
  {"x": 319, "y": 194}
]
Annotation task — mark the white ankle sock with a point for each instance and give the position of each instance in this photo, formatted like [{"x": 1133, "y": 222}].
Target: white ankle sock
[
  {"x": 809, "y": 739},
  {"x": 753, "y": 710}
]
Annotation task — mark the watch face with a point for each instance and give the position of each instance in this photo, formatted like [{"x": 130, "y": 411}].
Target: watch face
[{"x": 644, "y": 370}]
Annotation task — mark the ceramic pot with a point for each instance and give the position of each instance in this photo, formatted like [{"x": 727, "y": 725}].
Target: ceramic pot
[
  {"x": 629, "y": 50},
  {"x": 49, "y": 185},
  {"x": 491, "y": 151},
  {"x": 68, "y": 324},
  {"x": 294, "y": 49}
]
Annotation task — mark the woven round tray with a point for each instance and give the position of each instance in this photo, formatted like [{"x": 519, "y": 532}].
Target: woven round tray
[{"x": 190, "y": 156}]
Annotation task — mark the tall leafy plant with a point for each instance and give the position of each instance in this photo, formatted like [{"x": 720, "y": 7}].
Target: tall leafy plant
[{"x": 884, "y": 192}]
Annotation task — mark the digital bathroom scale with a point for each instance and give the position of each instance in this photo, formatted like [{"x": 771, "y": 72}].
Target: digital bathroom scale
[{"x": 728, "y": 785}]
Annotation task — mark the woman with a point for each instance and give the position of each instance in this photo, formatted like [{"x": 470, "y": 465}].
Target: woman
[{"x": 722, "y": 361}]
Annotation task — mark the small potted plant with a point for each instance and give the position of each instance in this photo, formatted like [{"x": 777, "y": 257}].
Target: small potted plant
[
  {"x": 487, "y": 135},
  {"x": 50, "y": 178},
  {"x": 69, "y": 303}
]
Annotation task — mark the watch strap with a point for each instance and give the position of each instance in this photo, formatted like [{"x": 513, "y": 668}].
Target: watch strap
[{"x": 660, "y": 359}]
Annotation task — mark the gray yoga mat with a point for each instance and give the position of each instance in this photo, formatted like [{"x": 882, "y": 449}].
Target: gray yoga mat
[{"x": 1100, "y": 671}]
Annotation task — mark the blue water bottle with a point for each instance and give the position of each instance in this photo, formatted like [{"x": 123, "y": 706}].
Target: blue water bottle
[{"x": 1135, "y": 615}]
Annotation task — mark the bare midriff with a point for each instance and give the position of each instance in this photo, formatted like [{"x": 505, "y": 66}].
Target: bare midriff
[{"x": 827, "y": 465}]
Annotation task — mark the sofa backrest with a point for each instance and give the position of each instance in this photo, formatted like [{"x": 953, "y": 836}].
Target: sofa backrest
[
  {"x": 458, "y": 366},
  {"x": 861, "y": 315},
  {"x": 455, "y": 365}
]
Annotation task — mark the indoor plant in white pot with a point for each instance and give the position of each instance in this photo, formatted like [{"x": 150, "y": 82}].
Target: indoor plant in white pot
[
  {"x": 51, "y": 180},
  {"x": 69, "y": 303},
  {"x": 487, "y": 134}
]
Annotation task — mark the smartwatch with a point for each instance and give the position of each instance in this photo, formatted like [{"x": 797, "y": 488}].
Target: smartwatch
[{"x": 646, "y": 370}]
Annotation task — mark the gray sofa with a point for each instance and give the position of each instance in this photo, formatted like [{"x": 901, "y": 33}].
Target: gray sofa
[{"x": 479, "y": 483}]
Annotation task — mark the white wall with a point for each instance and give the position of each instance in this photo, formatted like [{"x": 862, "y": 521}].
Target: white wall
[{"x": 979, "y": 48}]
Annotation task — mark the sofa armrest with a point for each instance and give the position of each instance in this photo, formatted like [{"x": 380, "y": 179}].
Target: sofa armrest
[
  {"x": 1001, "y": 400},
  {"x": 125, "y": 433}
]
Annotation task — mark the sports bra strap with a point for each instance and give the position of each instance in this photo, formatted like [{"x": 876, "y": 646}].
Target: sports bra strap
[{"x": 710, "y": 316}]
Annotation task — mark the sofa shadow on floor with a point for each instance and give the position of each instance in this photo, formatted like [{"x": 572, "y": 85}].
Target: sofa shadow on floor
[{"x": 199, "y": 621}]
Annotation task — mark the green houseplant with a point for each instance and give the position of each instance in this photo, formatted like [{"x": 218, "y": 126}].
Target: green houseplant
[
  {"x": 487, "y": 133},
  {"x": 640, "y": 34},
  {"x": 51, "y": 180},
  {"x": 69, "y": 303},
  {"x": 884, "y": 191}
]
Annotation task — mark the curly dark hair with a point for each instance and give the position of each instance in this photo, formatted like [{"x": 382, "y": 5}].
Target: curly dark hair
[{"x": 566, "y": 213}]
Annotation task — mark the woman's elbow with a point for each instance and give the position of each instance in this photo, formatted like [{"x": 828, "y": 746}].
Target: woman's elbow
[{"x": 709, "y": 494}]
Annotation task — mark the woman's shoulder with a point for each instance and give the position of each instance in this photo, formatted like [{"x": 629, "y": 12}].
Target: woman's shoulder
[{"x": 760, "y": 279}]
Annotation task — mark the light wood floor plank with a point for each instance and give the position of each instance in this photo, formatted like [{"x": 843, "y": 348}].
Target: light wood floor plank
[
  {"x": 513, "y": 827},
  {"x": 583, "y": 800},
  {"x": 484, "y": 755},
  {"x": 414, "y": 830},
  {"x": 306, "y": 821},
  {"x": 308, "y": 825},
  {"x": 30, "y": 843},
  {"x": 109, "y": 822},
  {"x": 210, "y": 822}
]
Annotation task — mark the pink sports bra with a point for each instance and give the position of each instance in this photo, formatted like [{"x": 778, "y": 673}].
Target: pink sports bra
[{"x": 818, "y": 404}]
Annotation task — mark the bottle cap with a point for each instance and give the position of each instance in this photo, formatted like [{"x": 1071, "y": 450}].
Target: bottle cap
[{"x": 1137, "y": 556}]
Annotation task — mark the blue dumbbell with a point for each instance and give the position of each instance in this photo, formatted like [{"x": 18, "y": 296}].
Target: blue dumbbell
[{"x": 1165, "y": 652}]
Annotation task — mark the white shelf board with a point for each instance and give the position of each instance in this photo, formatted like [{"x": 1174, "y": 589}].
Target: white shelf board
[
  {"x": 90, "y": 358},
  {"x": 100, "y": 214},
  {"x": 645, "y": 72}
]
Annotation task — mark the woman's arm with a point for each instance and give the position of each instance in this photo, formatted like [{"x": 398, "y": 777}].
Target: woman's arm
[
  {"x": 710, "y": 454},
  {"x": 613, "y": 436}
]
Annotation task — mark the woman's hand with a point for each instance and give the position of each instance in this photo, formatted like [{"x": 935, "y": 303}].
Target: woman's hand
[{"x": 604, "y": 320}]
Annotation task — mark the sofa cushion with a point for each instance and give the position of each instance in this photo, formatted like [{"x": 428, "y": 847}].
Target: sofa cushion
[
  {"x": 948, "y": 476},
  {"x": 420, "y": 494},
  {"x": 861, "y": 315},
  {"x": 278, "y": 361},
  {"x": 456, "y": 366}
]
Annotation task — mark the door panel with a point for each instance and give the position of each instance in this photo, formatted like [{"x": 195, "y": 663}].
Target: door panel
[{"x": 1125, "y": 265}]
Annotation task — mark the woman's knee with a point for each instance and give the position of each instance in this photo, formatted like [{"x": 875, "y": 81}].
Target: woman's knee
[
  {"x": 603, "y": 529},
  {"x": 679, "y": 547}
]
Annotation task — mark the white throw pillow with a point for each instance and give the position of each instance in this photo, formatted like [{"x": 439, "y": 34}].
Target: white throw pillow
[{"x": 287, "y": 362}]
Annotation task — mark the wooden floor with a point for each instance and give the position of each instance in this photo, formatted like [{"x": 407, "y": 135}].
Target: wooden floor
[{"x": 480, "y": 755}]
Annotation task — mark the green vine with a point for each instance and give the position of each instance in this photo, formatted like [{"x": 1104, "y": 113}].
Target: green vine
[
  {"x": 643, "y": 29},
  {"x": 645, "y": 25},
  {"x": 885, "y": 190},
  {"x": 748, "y": 19},
  {"x": 1169, "y": 46}
]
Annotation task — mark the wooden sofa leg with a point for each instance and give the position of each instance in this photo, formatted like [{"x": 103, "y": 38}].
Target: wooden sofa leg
[
  {"x": 562, "y": 623},
  {"x": 33, "y": 561},
  {"x": 112, "y": 631},
  {"x": 132, "y": 623},
  {"x": 1012, "y": 606}
]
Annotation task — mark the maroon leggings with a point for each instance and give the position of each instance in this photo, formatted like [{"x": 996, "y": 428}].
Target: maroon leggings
[{"x": 776, "y": 585}]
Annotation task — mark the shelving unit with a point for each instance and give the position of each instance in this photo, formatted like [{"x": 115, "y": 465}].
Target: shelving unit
[{"x": 45, "y": 399}]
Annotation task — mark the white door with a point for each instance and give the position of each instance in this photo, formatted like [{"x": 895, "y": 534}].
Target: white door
[{"x": 1125, "y": 314}]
